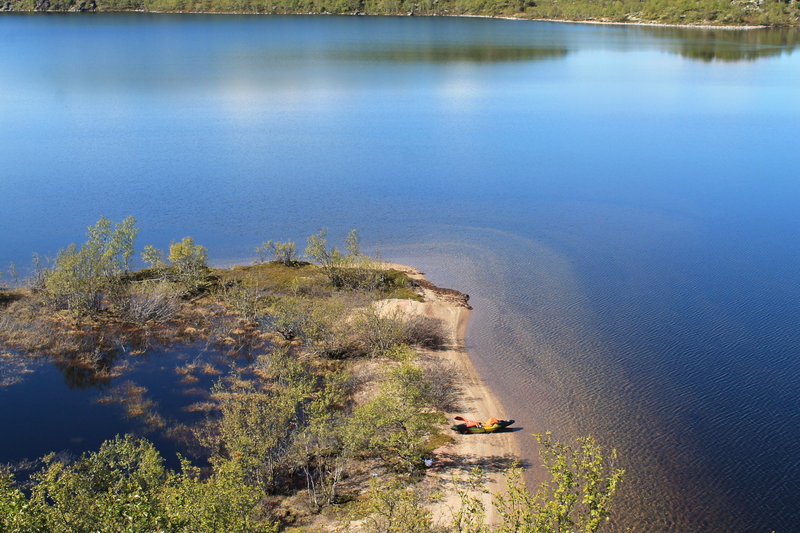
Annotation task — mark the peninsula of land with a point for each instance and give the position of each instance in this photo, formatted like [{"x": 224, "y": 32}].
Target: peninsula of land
[
  {"x": 331, "y": 389},
  {"x": 317, "y": 395}
]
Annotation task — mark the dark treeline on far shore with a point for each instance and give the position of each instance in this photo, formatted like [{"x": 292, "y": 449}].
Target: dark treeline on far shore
[{"x": 719, "y": 12}]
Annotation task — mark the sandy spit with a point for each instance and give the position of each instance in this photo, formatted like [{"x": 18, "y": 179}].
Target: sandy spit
[
  {"x": 491, "y": 452},
  {"x": 629, "y": 23}
]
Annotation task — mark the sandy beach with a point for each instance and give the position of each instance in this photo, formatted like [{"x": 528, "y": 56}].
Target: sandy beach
[{"x": 491, "y": 452}]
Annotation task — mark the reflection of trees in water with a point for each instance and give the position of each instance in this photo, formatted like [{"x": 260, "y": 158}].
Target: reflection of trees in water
[
  {"x": 728, "y": 45},
  {"x": 452, "y": 52},
  {"x": 704, "y": 44},
  {"x": 92, "y": 359},
  {"x": 82, "y": 372}
]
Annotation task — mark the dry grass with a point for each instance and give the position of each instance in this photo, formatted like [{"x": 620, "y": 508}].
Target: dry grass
[
  {"x": 209, "y": 370},
  {"x": 9, "y": 296},
  {"x": 195, "y": 391},
  {"x": 133, "y": 399},
  {"x": 189, "y": 379},
  {"x": 425, "y": 331},
  {"x": 201, "y": 407},
  {"x": 444, "y": 390},
  {"x": 275, "y": 278},
  {"x": 151, "y": 302}
]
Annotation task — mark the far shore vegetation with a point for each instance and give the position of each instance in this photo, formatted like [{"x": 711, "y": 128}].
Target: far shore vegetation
[
  {"x": 692, "y": 12},
  {"x": 328, "y": 421}
]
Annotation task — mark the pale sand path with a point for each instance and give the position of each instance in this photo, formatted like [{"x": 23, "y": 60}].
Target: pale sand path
[{"x": 492, "y": 452}]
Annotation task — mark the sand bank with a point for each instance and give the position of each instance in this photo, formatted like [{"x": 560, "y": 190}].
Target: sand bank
[
  {"x": 491, "y": 452},
  {"x": 700, "y": 26}
]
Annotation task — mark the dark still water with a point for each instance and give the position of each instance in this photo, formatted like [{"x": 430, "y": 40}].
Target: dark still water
[{"x": 620, "y": 202}]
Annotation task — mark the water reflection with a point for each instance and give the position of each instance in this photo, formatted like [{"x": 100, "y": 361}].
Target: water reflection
[
  {"x": 90, "y": 358},
  {"x": 540, "y": 43},
  {"x": 729, "y": 46},
  {"x": 81, "y": 374},
  {"x": 451, "y": 52},
  {"x": 78, "y": 399}
]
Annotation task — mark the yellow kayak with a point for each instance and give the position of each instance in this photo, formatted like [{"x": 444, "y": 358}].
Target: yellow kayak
[{"x": 470, "y": 426}]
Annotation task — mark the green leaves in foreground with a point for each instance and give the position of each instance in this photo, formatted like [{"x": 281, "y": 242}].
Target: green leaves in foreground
[
  {"x": 576, "y": 499},
  {"x": 124, "y": 487}
]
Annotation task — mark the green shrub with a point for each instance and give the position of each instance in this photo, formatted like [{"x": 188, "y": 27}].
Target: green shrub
[
  {"x": 82, "y": 276},
  {"x": 284, "y": 253}
]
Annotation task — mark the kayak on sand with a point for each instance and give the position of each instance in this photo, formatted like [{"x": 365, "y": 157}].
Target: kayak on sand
[{"x": 493, "y": 425}]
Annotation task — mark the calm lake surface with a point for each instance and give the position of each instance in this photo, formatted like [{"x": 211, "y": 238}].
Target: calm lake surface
[{"x": 621, "y": 203}]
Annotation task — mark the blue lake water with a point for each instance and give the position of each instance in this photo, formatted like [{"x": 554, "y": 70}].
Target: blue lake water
[{"x": 619, "y": 202}]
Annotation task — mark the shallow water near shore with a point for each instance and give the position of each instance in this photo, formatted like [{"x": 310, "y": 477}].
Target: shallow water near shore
[{"x": 619, "y": 202}]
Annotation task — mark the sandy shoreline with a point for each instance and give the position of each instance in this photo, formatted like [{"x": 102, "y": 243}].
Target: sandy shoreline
[
  {"x": 491, "y": 452},
  {"x": 631, "y": 23}
]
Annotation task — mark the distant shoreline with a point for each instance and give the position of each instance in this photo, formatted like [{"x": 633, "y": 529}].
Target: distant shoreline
[
  {"x": 637, "y": 23},
  {"x": 703, "y": 26}
]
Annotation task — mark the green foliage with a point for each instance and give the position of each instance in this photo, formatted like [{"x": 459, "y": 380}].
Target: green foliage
[
  {"x": 13, "y": 278},
  {"x": 255, "y": 428},
  {"x": 380, "y": 332},
  {"x": 282, "y": 252},
  {"x": 321, "y": 323},
  {"x": 344, "y": 270},
  {"x": 246, "y": 300},
  {"x": 276, "y": 279},
  {"x": 317, "y": 249},
  {"x": 395, "y": 507},
  {"x": 408, "y": 381},
  {"x": 287, "y": 422},
  {"x": 354, "y": 270},
  {"x": 353, "y": 244},
  {"x": 401, "y": 353},
  {"x": 224, "y": 502},
  {"x": 470, "y": 517},
  {"x": 290, "y": 317},
  {"x": 153, "y": 257},
  {"x": 124, "y": 487},
  {"x": 189, "y": 262},
  {"x": 397, "y": 424},
  {"x": 327, "y": 332},
  {"x": 16, "y": 515},
  {"x": 82, "y": 276},
  {"x": 771, "y": 12},
  {"x": 320, "y": 451},
  {"x": 576, "y": 499},
  {"x": 187, "y": 257},
  {"x": 114, "y": 489}
]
